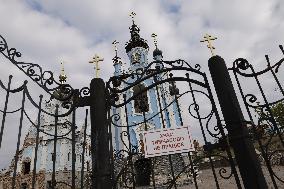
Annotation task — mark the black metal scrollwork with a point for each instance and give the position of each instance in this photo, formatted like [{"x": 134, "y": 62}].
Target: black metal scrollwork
[
  {"x": 265, "y": 129},
  {"x": 45, "y": 79}
]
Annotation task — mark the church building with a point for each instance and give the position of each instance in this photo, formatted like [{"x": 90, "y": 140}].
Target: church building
[
  {"x": 152, "y": 109},
  {"x": 45, "y": 153}
]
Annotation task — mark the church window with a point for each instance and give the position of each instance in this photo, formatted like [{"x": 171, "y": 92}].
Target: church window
[
  {"x": 141, "y": 100},
  {"x": 88, "y": 166},
  {"x": 24, "y": 186},
  {"x": 136, "y": 57},
  {"x": 173, "y": 89},
  {"x": 49, "y": 185},
  {"x": 26, "y": 167},
  {"x": 52, "y": 156}
]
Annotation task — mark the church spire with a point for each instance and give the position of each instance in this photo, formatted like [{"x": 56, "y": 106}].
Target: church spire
[
  {"x": 136, "y": 40},
  {"x": 116, "y": 60},
  {"x": 62, "y": 76},
  {"x": 157, "y": 53}
]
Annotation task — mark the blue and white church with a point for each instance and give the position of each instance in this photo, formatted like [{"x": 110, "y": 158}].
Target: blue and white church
[
  {"x": 157, "y": 105},
  {"x": 45, "y": 152}
]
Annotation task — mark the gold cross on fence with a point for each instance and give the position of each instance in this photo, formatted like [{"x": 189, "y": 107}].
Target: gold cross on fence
[
  {"x": 208, "y": 39},
  {"x": 96, "y": 60}
]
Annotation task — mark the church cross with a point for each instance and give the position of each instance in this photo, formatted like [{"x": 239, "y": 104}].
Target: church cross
[
  {"x": 115, "y": 46},
  {"x": 132, "y": 15},
  {"x": 62, "y": 76},
  {"x": 208, "y": 39},
  {"x": 155, "y": 39},
  {"x": 96, "y": 60}
]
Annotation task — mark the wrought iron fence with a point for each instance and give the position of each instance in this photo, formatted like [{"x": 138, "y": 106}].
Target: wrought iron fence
[
  {"x": 265, "y": 120},
  {"x": 131, "y": 168},
  {"x": 53, "y": 128},
  {"x": 111, "y": 157}
]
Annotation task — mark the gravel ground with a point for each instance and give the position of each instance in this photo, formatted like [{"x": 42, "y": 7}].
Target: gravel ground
[{"x": 206, "y": 180}]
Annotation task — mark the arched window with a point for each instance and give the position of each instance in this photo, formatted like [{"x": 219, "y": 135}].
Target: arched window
[
  {"x": 140, "y": 101},
  {"x": 52, "y": 157},
  {"x": 24, "y": 186},
  {"x": 26, "y": 167}
]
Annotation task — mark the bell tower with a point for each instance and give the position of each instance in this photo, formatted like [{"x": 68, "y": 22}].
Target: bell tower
[
  {"x": 137, "y": 48},
  {"x": 150, "y": 109}
]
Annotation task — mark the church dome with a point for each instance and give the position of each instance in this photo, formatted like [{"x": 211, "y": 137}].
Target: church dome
[
  {"x": 136, "y": 40},
  {"x": 157, "y": 52}
]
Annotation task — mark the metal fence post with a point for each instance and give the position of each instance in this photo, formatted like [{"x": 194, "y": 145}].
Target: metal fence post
[
  {"x": 101, "y": 172},
  {"x": 244, "y": 151}
]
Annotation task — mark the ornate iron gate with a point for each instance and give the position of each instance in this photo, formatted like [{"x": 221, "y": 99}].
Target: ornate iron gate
[
  {"x": 264, "y": 107},
  {"x": 118, "y": 158},
  {"x": 131, "y": 168}
]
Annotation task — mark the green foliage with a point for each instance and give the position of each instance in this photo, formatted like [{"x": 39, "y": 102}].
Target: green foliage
[
  {"x": 265, "y": 131},
  {"x": 277, "y": 111}
]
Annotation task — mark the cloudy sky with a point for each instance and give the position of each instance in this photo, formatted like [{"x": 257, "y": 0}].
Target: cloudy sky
[{"x": 49, "y": 31}]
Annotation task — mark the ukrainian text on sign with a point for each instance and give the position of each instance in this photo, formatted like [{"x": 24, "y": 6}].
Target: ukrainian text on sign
[{"x": 167, "y": 141}]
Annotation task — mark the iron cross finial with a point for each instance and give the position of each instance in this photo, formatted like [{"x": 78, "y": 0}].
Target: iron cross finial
[
  {"x": 115, "y": 46},
  {"x": 155, "y": 39},
  {"x": 208, "y": 38},
  {"x": 132, "y": 15},
  {"x": 96, "y": 59},
  {"x": 62, "y": 76}
]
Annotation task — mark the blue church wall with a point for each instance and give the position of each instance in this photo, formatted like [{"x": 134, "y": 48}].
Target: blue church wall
[
  {"x": 156, "y": 121},
  {"x": 69, "y": 160},
  {"x": 49, "y": 164},
  {"x": 137, "y": 52},
  {"x": 165, "y": 104},
  {"x": 176, "y": 114},
  {"x": 154, "y": 108},
  {"x": 39, "y": 158},
  {"x": 27, "y": 153},
  {"x": 48, "y": 157}
]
